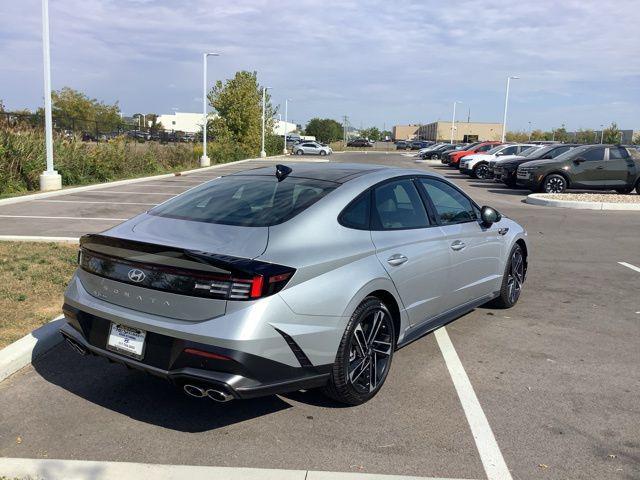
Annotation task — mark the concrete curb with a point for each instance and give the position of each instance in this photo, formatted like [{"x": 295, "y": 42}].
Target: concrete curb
[
  {"x": 117, "y": 183},
  {"x": 22, "y": 352},
  {"x": 33, "y": 238},
  {"x": 538, "y": 199},
  {"x": 81, "y": 470}
]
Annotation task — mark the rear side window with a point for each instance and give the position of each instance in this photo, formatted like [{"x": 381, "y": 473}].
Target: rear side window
[
  {"x": 484, "y": 148},
  {"x": 397, "y": 205},
  {"x": 247, "y": 201},
  {"x": 356, "y": 215},
  {"x": 451, "y": 205},
  {"x": 618, "y": 153}
]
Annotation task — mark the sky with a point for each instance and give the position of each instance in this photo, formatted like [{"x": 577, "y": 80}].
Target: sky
[{"x": 378, "y": 62}]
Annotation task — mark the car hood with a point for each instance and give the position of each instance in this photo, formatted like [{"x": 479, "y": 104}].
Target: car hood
[
  {"x": 507, "y": 158},
  {"x": 235, "y": 241},
  {"x": 478, "y": 156},
  {"x": 538, "y": 163}
]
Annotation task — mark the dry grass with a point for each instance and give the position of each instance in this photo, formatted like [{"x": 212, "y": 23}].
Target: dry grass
[{"x": 33, "y": 277}]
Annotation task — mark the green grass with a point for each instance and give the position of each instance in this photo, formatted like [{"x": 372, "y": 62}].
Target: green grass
[{"x": 33, "y": 277}]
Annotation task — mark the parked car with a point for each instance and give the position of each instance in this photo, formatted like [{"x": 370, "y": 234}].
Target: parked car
[
  {"x": 454, "y": 158},
  {"x": 294, "y": 277},
  {"x": 445, "y": 158},
  {"x": 593, "y": 167},
  {"x": 505, "y": 169},
  {"x": 359, "y": 142},
  {"x": 436, "y": 152},
  {"x": 402, "y": 145},
  {"x": 311, "y": 148},
  {"x": 418, "y": 144},
  {"x": 504, "y": 158},
  {"x": 477, "y": 165}
]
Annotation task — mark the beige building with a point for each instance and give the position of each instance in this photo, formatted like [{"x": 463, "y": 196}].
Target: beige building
[
  {"x": 405, "y": 132},
  {"x": 463, "y": 131}
]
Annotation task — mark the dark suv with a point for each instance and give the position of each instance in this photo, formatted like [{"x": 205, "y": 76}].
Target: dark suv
[
  {"x": 505, "y": 170},
  {"x": 593, "y": 167}
]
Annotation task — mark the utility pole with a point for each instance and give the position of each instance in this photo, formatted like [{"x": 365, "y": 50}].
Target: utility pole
[
  {"x": 263, "y": 153},
  {"x": 506, "y": 104},
  {"x": 204, "y": 160},
  {"x": 344, "y": 130},
  {"x": 50, "y": 179}
]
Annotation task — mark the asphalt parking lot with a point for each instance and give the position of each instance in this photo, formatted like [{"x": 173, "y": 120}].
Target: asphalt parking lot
[{"x": 557, "y": 377}]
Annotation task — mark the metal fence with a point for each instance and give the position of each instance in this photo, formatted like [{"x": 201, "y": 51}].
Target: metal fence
[{"x": 88, "y": 130}]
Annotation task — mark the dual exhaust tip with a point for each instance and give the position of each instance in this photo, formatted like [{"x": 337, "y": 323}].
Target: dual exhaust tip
[
  {"x": 189, "y": 389},
  {"x": 213, "y": 394}
]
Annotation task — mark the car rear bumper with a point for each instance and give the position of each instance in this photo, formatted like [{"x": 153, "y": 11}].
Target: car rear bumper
[{"x": 239, "y": 374}]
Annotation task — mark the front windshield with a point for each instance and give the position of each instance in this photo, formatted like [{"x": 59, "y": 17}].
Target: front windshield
[
  {"x": 573, "y": 151},
  {"x": 529, "y": 151},
  {"x": 495, "y": 150}
]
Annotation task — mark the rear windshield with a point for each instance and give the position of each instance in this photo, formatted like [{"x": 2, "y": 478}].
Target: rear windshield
[{"x": 243, "y": 200}]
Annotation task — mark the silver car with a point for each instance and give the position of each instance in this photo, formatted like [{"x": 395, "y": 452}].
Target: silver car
[
  {"x": 293, "y": 277},
  {"x": 311, "y": 148}
]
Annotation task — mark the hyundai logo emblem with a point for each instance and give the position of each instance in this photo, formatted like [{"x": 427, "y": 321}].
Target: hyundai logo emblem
[{"x": 136, "y": 275}]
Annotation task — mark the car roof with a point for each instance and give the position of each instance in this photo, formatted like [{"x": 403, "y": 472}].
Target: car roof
[{"x": 332, "y": 172}]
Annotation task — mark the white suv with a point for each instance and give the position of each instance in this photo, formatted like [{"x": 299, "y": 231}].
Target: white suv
[{"x": 477, "y": 165}]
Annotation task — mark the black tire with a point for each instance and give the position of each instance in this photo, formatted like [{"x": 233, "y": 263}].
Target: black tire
[
  {"x": 511, "y": 183},
  {"x": 624, "y": 191},
  {"x": 481, "y": 171},
  {"x": 638, "y": 187},
  {"x": 361, "y": 357},
  {"x": 554, "y": 183},
  {"x": 322, "y": 153},
  {"x": 299, "y": 152},
  {"x": 512, "y": 279}
]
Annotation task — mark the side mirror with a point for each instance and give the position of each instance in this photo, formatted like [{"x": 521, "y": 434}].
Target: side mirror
[
  {"x": 489, "y": 216},
  {"x": 578, "y": 160}
]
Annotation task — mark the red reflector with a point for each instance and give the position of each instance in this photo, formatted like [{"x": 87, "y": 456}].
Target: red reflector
[
  {"x": 202, "y": 353},
  {"x": 256, "y": 286},
  {"x": 279, "y": 278}
]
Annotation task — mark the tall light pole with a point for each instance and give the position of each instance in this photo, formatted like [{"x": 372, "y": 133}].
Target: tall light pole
[
  {"x": 529, "y": 131},
  {"x": 50, "y": 179},
  {"x": 601, "y": 134},
  {"x": 453, "y": 121},
  {"x": 264, "y": 101},
  {"x": 205, "y": 161},
  {"x": 506, "y": 104},
  {"x": 286, "y": 112}
]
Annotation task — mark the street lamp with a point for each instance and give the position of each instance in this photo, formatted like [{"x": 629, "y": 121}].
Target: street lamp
[
  {"x": 453, "y": 122},
  {"x": 506, "y": 104},
  {"x": 264, "y": 101},
  {"x": 204, "y": 160},
  {"x": 286, "y": 111},
  {"x": 601, "y": 134},
  {"x": 529, "y": 131},
  {"x": 50, "y": 179}
]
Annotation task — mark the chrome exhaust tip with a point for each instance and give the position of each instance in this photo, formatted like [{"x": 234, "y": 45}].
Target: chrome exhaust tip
[
  {"x": 218, "y": 396},
  {"x": 77, "y": 347},
  {"x": 194, "y": 391}
]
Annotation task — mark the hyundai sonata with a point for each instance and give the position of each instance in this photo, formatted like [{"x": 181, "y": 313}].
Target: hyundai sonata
[{"x": 290, "y": 277}]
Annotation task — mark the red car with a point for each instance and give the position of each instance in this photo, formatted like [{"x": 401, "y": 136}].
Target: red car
[{"x": 454, "y": 157}]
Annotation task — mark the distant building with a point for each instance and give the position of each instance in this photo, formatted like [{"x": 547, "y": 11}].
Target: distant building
[
  {"x": 463, "y": 131},
  {"x": 404, "y": 132},
  {"x": 183, "y": 121},
  {"x": 279, "y": 127}
]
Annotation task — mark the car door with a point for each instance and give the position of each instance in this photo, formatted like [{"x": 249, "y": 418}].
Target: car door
[
  {"x": 618, "y": 168},
  {"x": 310, "y": 148},
  {"x": 410, "y": 247},
  {"x": 588, "y": 168},
  {"x": 475, "y": 250}
]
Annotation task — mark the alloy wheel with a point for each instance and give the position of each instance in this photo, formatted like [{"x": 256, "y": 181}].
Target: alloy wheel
[
  {"x": 370, "y": 351},
  {"x": 515, "y": 278},
  {"x": 554, "y": 185},
  {"x": 483, "y": 172}
]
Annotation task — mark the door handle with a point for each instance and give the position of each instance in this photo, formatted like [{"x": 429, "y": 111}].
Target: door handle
[
  {"x": 600, "y": 168},
  {"x": 458, "y": 245},
  {"x": 396, "y": 259}
]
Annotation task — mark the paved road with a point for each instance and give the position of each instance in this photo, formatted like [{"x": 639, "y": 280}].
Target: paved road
[{"x": 558, "y": 376}]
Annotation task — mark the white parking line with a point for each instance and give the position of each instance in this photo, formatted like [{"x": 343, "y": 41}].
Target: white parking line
[
  {"x": 163, "y": 185},
  {"x": 105, "y": 203},
  {"x": 628, "y": 265},
  {"x": 108, "y": 192},
  {"x": 65, "y": 218},
  {"x": 490, "y": 455}
]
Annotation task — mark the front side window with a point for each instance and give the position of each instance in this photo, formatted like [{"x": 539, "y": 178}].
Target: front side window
[
  {"x": 451, "y": 205},
  {"x": 244, "y": 200},
  {"x": 593, "y": 155},
  {"x": 397, "y": 205}
]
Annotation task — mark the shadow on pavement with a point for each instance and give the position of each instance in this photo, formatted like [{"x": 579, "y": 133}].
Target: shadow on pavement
[{"x": 143, "y": 397}]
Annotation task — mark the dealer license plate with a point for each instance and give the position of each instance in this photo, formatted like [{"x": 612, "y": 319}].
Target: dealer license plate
[{"x": 126, "y": 340}]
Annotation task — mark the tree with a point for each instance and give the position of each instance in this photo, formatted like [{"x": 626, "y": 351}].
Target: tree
[
  {"x": 517, "y": 137},
  {"x": 611, "y": 134},
  {"x": 587, "y": 136},
  {"x": 73, "y": 110},
  {"x": 238, "y": 102},
  {"x": 372, "y": 133},
  {"x": 324, "y": 129}
]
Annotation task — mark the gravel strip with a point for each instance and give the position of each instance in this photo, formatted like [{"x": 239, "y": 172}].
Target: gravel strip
[{"x": 592, "y": 197}]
